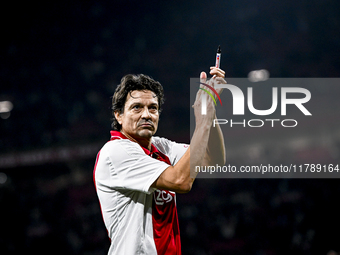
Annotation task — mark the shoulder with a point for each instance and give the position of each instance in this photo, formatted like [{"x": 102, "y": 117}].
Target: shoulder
[
  {"x": 160, "y": 140},
  {"x": 162, "y": 144},
  {"x": 118, "y": 147},
  {"x": 167, "y": 146}
]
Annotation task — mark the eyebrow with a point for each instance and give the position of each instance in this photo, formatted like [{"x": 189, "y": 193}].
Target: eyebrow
[{"x": 139, "y": 103}]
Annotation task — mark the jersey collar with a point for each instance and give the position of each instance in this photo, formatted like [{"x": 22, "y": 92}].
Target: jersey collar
[
  {"x": 118, "y": 135},
  {"x": 154, "y": 153}
]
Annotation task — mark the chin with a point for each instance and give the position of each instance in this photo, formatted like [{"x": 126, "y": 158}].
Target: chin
[{"x": 146, "y": 133}]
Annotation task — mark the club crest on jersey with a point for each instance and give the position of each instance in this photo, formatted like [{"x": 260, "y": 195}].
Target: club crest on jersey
[{"x": 163, "y": 196}]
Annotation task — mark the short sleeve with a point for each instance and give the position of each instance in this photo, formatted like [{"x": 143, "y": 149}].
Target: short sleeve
[
  {"x": 123, "y": 164},
  {"x": 170, "y": 148}
]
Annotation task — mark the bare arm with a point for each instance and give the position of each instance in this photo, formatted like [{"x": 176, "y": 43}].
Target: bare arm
[
  {"x": 216, "y": 153},
  {"x": 180, "y": 177}
]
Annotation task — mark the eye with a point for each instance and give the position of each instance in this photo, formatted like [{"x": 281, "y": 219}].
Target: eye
[
  {"x": 153, "y": 108},
  {"x": 136, "y": 107}
]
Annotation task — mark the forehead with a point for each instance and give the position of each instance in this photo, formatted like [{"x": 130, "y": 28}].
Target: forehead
[{"x": 141, "y": 96}]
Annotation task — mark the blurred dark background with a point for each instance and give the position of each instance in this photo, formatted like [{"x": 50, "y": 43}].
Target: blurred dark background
[{"x": 60, "y": 64}]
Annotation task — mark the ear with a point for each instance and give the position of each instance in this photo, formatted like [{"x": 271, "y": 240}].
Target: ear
[{"x": 118, "y": 117}]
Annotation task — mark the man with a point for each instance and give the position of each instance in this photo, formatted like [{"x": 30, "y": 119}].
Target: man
[{"x": 137, "y": 174}]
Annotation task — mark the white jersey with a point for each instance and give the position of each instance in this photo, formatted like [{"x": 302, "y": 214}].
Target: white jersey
[{"x": 123, "y": 175}]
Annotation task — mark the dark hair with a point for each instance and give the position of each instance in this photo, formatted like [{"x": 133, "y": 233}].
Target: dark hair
[{"x": 128, "y": 84}]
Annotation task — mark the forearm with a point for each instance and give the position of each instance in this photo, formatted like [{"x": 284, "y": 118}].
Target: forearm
[
  {"x": 215, "y": 153},
  {"x": 206, "y": 146},
  {"x": 177, "y": 177},
  {"x": 180, "y": 177},
  {"x": 199, "y": 145}
]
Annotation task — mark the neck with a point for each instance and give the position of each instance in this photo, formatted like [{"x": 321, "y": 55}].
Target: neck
[{"x": 146, "y": 143}]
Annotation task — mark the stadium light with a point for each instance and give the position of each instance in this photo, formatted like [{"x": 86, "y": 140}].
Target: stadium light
[{"x": 5, "y": 109}]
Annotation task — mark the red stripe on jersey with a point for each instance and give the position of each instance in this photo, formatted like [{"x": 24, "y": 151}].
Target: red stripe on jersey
[
  {"x": 94, "y": 170},
  {"x": 164, "y": 212},
  {"x": 165, "y": 223}
]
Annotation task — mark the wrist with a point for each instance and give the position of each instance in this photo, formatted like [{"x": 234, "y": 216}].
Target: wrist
[{"x": 203, "y": 127}]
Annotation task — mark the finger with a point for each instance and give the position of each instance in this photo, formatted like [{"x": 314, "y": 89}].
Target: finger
[
  {"x": 217, "y": 71},
  {"x": 216, "y": 80},
  {"x": 217, "y": 68},
  {"x": 203, "y": 77},
  {"x": 217, "y": 74},
  {"x": 220, "y": 80}
]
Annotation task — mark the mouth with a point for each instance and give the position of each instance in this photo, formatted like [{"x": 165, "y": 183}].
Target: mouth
[{"x": 146, "y": 125}]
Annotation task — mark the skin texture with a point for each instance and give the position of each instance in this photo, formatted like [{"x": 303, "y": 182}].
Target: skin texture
[
  {"x": 140, "y": 117},
  {"x": 139, "y": 122},
  {"x": 206, "y": 150}
]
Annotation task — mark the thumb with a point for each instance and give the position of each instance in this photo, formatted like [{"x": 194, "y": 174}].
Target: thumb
[{"x": 203, "y": 77}]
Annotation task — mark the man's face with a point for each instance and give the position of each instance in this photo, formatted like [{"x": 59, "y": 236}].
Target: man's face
[{"x": 140, "y": 116}]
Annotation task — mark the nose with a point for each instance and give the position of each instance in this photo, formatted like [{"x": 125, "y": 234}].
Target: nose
[{"x": 146, "y": 114}]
